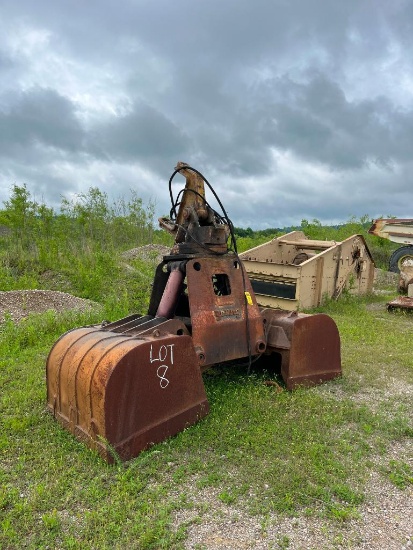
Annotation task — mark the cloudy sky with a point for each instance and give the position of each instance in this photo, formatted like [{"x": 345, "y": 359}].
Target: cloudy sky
[{"x": 292, "y": 109}]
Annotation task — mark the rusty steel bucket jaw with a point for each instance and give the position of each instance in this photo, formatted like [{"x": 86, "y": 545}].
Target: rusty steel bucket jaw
[
  {"x": 309, "y": 346},
  {"x": 124, "y": 386}
]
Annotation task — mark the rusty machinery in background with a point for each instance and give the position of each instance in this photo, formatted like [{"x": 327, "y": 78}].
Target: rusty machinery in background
[
  {"x": 401, "y": 261},
  {"x": 293, "y": 272},
  {"x": 122, "y": 386}
]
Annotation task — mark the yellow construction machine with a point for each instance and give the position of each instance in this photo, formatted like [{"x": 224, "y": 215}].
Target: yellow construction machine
[{"x": 123, "y": 386}]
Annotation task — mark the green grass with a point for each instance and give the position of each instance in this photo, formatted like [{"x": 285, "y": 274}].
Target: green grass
[{"x": 260, "y": 450}]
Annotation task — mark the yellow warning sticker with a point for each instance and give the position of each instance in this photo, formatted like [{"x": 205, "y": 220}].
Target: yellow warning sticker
[{"x": 248, "y": 297}]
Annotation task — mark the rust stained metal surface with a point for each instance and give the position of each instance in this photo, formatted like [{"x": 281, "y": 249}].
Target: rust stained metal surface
[
  {"x": 309, "y": 346},
  {"x": 226, "y": 323},
  {"x": 402, "y": 302},
  {"x": 193, "y": 196},
  {"x": 128, "y": 388}
]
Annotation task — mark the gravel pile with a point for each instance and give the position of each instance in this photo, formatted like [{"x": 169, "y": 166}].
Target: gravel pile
[
  {"x": 147, "y": 253},
  {"x": 20, "y": 303},
  {"x": 386, "y": 278}
]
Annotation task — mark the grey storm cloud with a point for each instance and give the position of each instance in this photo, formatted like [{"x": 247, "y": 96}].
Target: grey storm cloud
[
  {"x": 144, "y": 133},
  {"x": 39, "y": 116},
  {"x": 317, "y": 122},
  {"x": 294, "y": 110}
]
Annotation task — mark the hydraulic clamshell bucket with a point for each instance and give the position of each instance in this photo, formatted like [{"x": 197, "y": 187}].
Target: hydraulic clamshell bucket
[
  {"x": 126, "y": 385},
  {"x": 125, "y": 392}
]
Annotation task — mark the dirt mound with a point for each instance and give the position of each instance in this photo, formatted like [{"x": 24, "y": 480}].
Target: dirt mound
[
  {"x": 20, "y": 303},
  {"x": 148, "y": 252}
]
